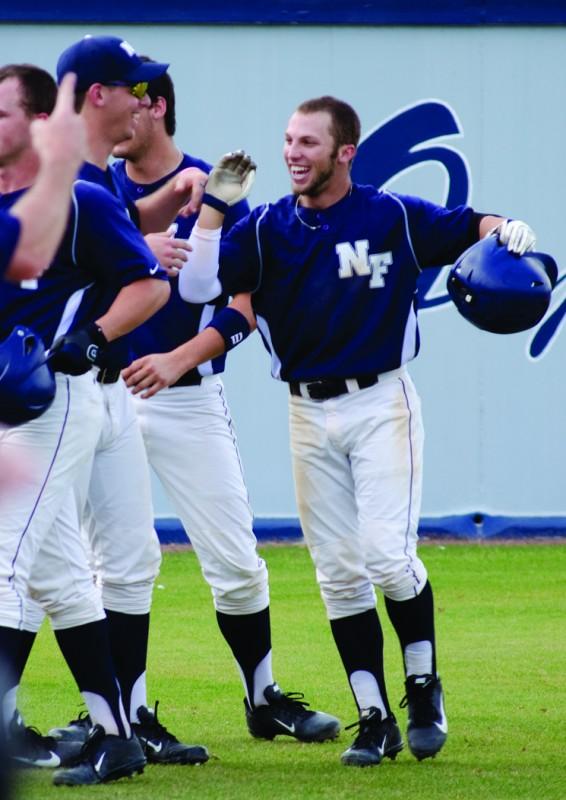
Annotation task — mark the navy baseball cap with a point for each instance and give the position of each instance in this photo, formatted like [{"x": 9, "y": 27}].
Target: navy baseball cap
[{"x": 106, "y": 60}]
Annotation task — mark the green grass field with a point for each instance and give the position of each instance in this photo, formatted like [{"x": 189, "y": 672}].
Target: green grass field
[{"x": 502, "y": 657}]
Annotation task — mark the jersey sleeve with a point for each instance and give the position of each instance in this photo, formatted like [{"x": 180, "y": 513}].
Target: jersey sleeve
[
  {"x": 240, "y": 255},
  {"x": 439, "y": 235},
  {"x": 107, "y": 239},
  {"x": 9, "y": 235}
]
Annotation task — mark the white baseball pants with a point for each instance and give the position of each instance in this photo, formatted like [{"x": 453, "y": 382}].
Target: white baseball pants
[
  {"x": 57, "y": 445},
  {"x": 357, "y": 463},
  {"x": 191, "y": 445}
]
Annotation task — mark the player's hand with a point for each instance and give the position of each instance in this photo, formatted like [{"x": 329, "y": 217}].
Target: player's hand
[
  {"x": 60, "y": 140},
  {"x": 152, "y": 373},
  {"x": 190, "y": 184},
  {"x": 232, "y": 178},
  {"x": 516, "y": 235},
  {"x": 170, "y": 252},
  {"x": 76, "y": 352}
]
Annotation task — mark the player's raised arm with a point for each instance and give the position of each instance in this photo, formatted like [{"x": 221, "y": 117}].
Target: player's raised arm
[
  {"x": 229, "y": 182},
  {"x": 151, "y": 373},
  {"x": 60, "y": 143}
]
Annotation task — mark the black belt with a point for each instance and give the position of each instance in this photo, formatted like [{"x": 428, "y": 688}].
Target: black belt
[
  {"x": 188, "y": 379},
  {"x": 108, "y": 374},
  {"x": 331, "y": 387}
]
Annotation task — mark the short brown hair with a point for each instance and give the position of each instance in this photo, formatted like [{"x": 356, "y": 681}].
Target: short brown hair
[
  {"x": 345, "y": 123},
  {"x": 39, "y": 90}
]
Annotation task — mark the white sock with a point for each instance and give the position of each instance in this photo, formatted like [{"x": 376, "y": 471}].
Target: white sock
[
  {"x": 138, "y": 697},
  {"x": 263, "y": 677},
  {"x": 101, "y": 714},
  {"x": 366, "y": 691},
  {"x": 418, "y": 658}
]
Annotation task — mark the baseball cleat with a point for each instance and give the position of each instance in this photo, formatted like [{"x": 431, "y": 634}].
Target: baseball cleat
[
  {"x": 428, "y": 726},
  {"x": 70, "y": 739},
  {"x": 28, "y": 748},
  {"x": 287, "y": 715},
  {"x": 376, "y": 739},
  {"x": 102, "y": 758},
  {"x": 160, "y": 746}
]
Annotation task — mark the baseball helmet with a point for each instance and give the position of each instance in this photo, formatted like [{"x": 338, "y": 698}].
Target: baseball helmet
[
  {"x": 27, "y": 385},
  {"x": 499, "y": 291}
]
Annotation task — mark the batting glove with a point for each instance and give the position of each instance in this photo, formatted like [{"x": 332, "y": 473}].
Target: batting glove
[
  {"x": 230, "y": 180},
  {"x": 517, "y": 235},
  {"x": 76, "y": 352}
]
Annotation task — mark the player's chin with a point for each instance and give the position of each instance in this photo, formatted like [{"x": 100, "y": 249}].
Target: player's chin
[{"x": 299, "y": 185}]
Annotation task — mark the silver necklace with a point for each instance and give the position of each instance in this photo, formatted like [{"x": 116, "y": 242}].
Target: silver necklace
[
  {"x": 306, "y": 224},
  {"x": 301, "y": 220}
]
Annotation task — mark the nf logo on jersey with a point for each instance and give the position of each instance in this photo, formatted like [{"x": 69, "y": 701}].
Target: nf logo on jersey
[{"x": 358, "y": 260}]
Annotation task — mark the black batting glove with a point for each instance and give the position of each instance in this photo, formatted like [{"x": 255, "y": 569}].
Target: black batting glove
[{"x": 75, "y": 353}]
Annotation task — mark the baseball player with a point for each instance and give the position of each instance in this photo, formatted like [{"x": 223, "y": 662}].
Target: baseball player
[
  {"x": 331, "y": 270},
  {"x": 32, "y": 231},
  {"x": 190, "y": 424},
  {"x": 102, "y": 283},
  {"x": 115, "y": 491}
]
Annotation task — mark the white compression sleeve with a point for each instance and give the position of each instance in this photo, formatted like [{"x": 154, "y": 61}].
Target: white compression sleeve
[{"x": 198, "y": 280}]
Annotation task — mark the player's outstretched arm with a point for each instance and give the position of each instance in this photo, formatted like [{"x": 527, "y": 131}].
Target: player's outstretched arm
[
  {"x": 230, "y": 181},
  {"x": 148, "y": 375},
  {"x": 182, "y": 194},
  {"x": 60, "y": 142}
]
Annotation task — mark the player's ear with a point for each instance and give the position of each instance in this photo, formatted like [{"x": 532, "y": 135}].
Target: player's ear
[
  {"x": 346, "y": 153},
  {"x": 158, "y": 107},
  {"x": 95, "y": 94}
]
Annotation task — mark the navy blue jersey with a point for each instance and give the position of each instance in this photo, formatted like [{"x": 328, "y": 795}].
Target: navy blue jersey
[
  {"x": 100, "y": 253},
  {"x": 9, "y": 235},
  {"x": 334, "y": 290},
  {"x": 177, "y": 321}
]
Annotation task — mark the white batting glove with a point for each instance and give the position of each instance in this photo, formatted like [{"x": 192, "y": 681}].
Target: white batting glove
[
  {"x": 231, "y": 179},
  {"x": 517, "y": 235}
]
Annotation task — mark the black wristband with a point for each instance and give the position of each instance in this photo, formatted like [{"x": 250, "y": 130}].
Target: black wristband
[
  {"x": 96, "y": 334},
  {"x": 231, "y": 325},
  {"x": 215, "y": 202}
]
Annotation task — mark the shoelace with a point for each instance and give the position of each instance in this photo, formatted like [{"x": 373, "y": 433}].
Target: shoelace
[
  {"x": 88, "y": 749},
  {"x": 366, "y": 729},
  {"x": 83, "y": 720},
  {"x": 157, "y": 729},
  {"x": 292, "y": 700}
]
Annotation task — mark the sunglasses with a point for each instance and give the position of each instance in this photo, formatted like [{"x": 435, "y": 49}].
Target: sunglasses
[{"x": 138, "y": 90}]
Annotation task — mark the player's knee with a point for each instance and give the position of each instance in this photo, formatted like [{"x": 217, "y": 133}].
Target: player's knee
[
  {"x": 345, "y": 600},
  {"x": 401, "y": 580},
  {"x": 71, "y": 615},
  {"x": 246, "y": 593},
  {"x": 128, "y": 598}
]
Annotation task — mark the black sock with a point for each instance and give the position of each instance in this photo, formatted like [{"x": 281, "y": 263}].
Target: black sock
[
  {"x": 249, "y": 638},
  {"x": 129, "y": 634},
  {"x": 15, "y": 647},
  {"x": 413, "y": 620},
  {"x": 86, "y": 649},
  {"x": 359, "y": 640}
]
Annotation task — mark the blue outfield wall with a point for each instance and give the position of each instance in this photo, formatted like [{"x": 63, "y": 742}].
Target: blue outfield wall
[
  {"x": 292, "y": 12},
  {"x": 472, "y": 527}
]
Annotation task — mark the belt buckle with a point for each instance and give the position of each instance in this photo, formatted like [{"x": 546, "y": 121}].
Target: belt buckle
[{"x": 315, "y": 390}]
